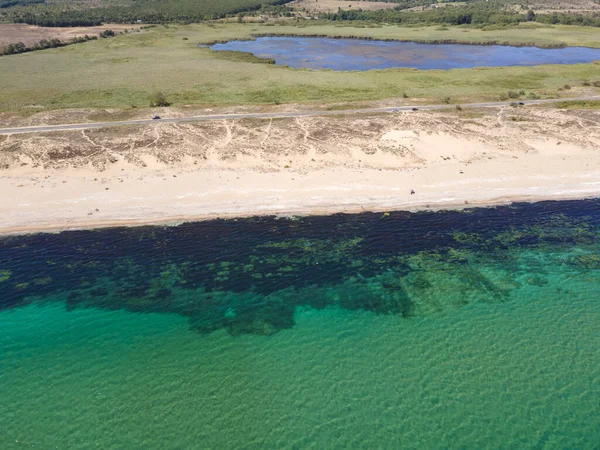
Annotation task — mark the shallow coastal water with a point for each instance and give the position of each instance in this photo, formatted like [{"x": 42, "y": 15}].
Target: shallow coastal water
[
  {"x": 473, "y": 329},
  {"x": 363, "y": 54}
]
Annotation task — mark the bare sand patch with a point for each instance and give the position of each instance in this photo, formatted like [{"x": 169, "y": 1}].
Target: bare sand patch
[
  {"x": 553, "y": 147},
  {"x": 176, "y": 172},
  {"x": 401, "y": 137},
  {"x": 431, "y": 146},
  {"x": 334, "y": 5},
  {"x": 549, "y": 6}
]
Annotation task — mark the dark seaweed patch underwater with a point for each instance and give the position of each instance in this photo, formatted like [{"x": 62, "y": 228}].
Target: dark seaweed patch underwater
[
  {"x": 250, "y": 275},
  {"x": 456, "y": 329}
]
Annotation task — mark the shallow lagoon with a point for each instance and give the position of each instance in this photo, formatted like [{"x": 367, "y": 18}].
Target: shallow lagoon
[
  {"x": 474, "y": 329},
  {"x": 362, "y": 54}
]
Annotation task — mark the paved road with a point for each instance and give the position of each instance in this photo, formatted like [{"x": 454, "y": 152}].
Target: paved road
[{"x": 274, "y": 115}]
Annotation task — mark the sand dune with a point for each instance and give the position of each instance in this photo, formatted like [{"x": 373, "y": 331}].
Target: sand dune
[{"x": 170, "y": 173}]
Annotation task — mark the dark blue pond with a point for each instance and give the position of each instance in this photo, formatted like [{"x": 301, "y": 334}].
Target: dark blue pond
[{"x": 362, "y": 54}]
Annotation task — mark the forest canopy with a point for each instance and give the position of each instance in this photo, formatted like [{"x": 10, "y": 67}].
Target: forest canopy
[
  {"x": 57, "y": 14},
  {"x": 472, "y": 14},
  {"x": 9, "y": 3},
  {"x": 64, "y": 13}
]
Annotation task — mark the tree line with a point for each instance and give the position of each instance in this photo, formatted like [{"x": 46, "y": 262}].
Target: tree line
[
  {"x": 474, "y": 12},
  {"x": 592, "y": 20},
  {"x": 9, "y": 3},
  {"x": 147, "y": 11},
  {"x": 462, "y": 15}
]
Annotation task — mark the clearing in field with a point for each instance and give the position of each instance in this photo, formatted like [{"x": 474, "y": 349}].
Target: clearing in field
[
  {"x": 333, "y": 5},
  {"x": 11, "y": 33}
]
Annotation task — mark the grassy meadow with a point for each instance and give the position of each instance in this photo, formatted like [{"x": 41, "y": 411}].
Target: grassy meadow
[
  {"x": 577, "y": 104},
  {"x": 124, "y": 71},
  {"x": 525, "y": 33}
]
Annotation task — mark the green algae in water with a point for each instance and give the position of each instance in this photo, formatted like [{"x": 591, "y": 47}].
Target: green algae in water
[{"x": 470, "y": 329}]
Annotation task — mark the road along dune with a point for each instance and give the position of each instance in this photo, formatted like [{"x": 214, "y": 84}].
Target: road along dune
[
  {"x": 298, "y": 165},
  {"x": 40, "y": 121}
]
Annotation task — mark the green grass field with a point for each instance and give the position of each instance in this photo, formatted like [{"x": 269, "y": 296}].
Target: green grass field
[
  {"x": 124, "y": 71},
  {"x": 579, "y": 104},
  {"x": 537, "y": 34}
]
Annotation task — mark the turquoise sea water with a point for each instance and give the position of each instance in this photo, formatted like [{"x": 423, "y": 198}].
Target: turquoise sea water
[{"x": 474, "y": 329}]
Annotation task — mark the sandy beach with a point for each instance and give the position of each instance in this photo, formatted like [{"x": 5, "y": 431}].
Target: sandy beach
[{"x": 175, "y": 173}]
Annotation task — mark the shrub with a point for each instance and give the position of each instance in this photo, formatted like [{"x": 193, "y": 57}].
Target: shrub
[
  {"x": 513, "y": 94},
  {"x": 159, "y": 100},
  {"x": 446, "y": 100},
  {"x": 530, "y": 16},
  {"x": 107, "y": 34},
  {"x": 586, "y": 83},
  {"x": 566, "y": 86}
]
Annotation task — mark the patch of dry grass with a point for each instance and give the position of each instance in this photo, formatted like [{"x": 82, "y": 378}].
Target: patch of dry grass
[{"x": 11, "y": 33}]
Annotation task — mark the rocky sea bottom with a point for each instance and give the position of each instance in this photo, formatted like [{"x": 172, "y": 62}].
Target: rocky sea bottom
[{"x": 471, "y": 329}]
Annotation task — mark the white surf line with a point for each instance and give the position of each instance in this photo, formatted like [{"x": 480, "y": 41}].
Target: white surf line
[{"x": 282, "y": 115}]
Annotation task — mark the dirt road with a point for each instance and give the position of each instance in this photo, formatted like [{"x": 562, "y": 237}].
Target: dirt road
[{"x": 276, "y": 115}]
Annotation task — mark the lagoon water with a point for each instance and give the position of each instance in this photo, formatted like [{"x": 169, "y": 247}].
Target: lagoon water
[
  {"x": 362, "y": 54},
  {"x": 473, "y": 329}
]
